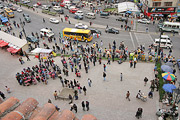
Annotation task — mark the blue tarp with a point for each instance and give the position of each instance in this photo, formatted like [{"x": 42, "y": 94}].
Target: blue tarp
[{"x": 4, "y": 19}]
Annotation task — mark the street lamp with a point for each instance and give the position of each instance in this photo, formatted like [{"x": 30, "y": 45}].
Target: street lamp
[{"x": 160, "y": 42}]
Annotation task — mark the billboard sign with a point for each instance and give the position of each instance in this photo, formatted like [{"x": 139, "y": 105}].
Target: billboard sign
[{"x": 162, "y": 10}]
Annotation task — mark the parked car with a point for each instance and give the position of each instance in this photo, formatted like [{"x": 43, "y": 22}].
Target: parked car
[
  {"x": 80, "y": 13},
  {"x": 13, "y": 8},
  {"x": 1, "y": 11},
  {"x": 95, "y": 31},
  {"x": 36, "y": 5},
  {"x": 112, "y": 30},
  {"x": 54, "y": 4},
  {"x": 19, "y": 10},
  {"x": 39, "y": 3},
  {"x": 81, "y": 26},
  {"x": 60, "y": 11},
  {"x": 62, "y": 4},
  {"x": 1, "y": 6},
  {"x": 78, "y": 17},
  {"x": 121, "y": 19},
  {"x": 104, "y": 15},
  {"x": 178, "y": 63},
  {"x": 90, "y": 15},
  {"x": 145, "y": 21},
  {"x": 72, "y": 7},
  {"x": 27, "y": 18},
  {"x": 9, "y": 5},
  {"x": 32, "y": 39},
  {"x": 45, "y": 7},
  {"x": 54, "y": 20},
  {"x": 26, "y": 1},
  {"x": 73, "y": 10},
  {"x": 56, "y": 8}
]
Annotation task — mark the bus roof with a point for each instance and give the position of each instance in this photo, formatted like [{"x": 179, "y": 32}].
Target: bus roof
[
  {"x": 172, "y": 23},
  {"x": 76, "y": 30}
]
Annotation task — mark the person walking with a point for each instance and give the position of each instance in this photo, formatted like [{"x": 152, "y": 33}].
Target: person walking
[
  {"x": 135, "y": 64},
  {"x": 44, "y": 20},
  {"x": 70, "y": 98},
  {"x": 131, "y": 63},
  {"x": 49, "y": 101},
  {"x": 27, "y": 56},
  {"x": 84, "y": 89},
  {"x": 121, "y": 76},
  {"x": 145, "y": 81},
  {"x": 87, "y": 105},
  {"x": 7, "y": 89},
  {"x": 89, "y": 82},
  {"x": 74, "y": 106},
  {"x": 55, "y": 95},
  {"x": 127, "y": 95},
  {"x": 104, "y": 66},
  {"x": 2, "y": 95},
  {"x": 104, "y": 75},
  {"x": 83, "y": 105}
]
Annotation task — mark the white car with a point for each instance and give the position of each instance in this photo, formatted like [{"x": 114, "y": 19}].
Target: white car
[
  {"x": 79, "y": 13},
  {"x": 19, "y": 10},
  {"x": 36, "y": 5},
  {"x": 71, "y": 7},
  {"x": 45, "y": 7},
  {"x": 56, "y": 8},
  {"x": 54, "y": 20},
  {"x": 145, "y": 21},
  {"x": 81, "y": 26}
]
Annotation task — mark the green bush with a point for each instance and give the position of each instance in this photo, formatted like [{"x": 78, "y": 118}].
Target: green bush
[{"x": 161, "y": 81}]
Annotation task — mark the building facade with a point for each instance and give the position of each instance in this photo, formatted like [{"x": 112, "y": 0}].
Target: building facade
[{"x": 159, "y": 7}]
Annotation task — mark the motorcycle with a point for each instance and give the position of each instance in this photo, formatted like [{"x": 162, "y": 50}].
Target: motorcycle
[{"x": 142, "y": 97}]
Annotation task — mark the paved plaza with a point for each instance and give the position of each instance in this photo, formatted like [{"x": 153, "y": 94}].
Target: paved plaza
[{"x": 107, "y": 98}]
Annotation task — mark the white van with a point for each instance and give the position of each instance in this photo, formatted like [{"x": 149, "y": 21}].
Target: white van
[
  {"x": 170, "y": 27},
  {"x": 67, "y": 4},
  {"x": 165, "y": 42},
  {"x": 56, "y": 8},
  {"x": 90, "y": 15},
  {"x": 79, "y": 13},
  {"x": 46, "y": 32}
]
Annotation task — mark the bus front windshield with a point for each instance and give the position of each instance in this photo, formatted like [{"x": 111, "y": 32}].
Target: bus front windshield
[{"x": 11, "y": 13}]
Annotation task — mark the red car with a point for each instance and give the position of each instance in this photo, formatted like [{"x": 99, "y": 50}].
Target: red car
[
  {"x": 38, "y": 3},
  {"x": 73, "y": 10},
  {"x": 62, "y": 4}
]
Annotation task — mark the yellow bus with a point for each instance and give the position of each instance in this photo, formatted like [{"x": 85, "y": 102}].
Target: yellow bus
[
  {"x": 9, "y": 13},
  {"x": 77, "y": 34}
]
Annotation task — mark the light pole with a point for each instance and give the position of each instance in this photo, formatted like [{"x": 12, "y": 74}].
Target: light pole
[{"x": 160, "y": 42}]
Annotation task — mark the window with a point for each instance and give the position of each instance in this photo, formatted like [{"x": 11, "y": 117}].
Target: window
[
  {"x": 167, "y": 3},
  {"x": 155, "y": 4}
]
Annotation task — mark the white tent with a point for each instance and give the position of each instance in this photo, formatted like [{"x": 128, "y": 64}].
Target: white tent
[
  {"x": 41, "y": 50},
  {"x": 127, "y": 6},
  {"x": 13, "y": 41}
]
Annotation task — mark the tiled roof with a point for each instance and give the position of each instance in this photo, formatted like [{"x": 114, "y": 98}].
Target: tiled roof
[{"x": 11, "y": 109}]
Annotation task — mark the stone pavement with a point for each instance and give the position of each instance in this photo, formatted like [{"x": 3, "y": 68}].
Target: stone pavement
[{"x": 107, "y": 98}]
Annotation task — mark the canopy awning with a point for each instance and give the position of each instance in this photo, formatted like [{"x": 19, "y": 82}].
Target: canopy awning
[
  {"x": 10, "y": 49},
  {"x": 16, "y": 50},
  {"x": 2, "y": 44}
]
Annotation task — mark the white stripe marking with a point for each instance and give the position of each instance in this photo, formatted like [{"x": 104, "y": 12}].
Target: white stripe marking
[{"x": 132, "y": 39}]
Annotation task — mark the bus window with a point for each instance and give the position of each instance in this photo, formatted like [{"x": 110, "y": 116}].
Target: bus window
[
  {"x": 169, "y": 26},
  {"x": 173, "y": 26},
  {"x": 177, "y": 27}
]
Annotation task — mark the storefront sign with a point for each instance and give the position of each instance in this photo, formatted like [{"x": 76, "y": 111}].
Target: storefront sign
[{"x": 163, "y": 10}]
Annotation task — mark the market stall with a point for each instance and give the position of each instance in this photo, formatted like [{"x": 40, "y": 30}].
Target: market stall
[{"x": 42, "y": 53}]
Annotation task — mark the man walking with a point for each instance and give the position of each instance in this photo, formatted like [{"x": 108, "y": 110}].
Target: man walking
[
  {"x": 2, "y": 95},
  {"x": 87, "y": 105},
  {"x": 104, "y": 67},
  {"x": 55, "y": 95},
  {"x": 127, "y": 95},
  {"x": 89, "y": 82},
  {"x": 83, "y": 105},
  {"x": 104, "y": 75},
  {"x": 121, "y": 76},
  {"x": 84, "y": 89},
  {"x": 145, "y": 81}
]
